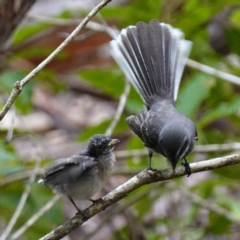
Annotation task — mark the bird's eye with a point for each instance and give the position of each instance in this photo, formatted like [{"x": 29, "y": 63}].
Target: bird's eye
[{"x": 105, "y": 142}]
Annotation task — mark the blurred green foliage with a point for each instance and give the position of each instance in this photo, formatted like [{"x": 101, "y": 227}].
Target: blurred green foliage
[
  {"x": 8, "y": 159},
  {"x": 7, "y": 80},
  {"x": 96, "y": 77},
  {"x": 25, "y": 32},
  {"x": 204, "y": 98}
]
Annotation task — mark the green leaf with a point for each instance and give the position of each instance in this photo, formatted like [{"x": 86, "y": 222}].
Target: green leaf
[
  {"x": 9, "y": 160},
  {"x": 25, "y": 32},
  {"x": 134, "y": 102},
  {"x": 139, "y": 10},
  {"x": 110, "y": 80},
  {"x": 142, "y": 205},
  {"x": 9, "y": 199},
  {"x": 39, "y": 196},
  {"x": 193, "y": 93},
  {"x": 101, "y": 128},
  {"x": 33, "y": 52},
  {"x": 224, "y": 109},
  {"x": 136, "y": 143},
  {"x": 229, "y": 202},
  {"x": 206, "y": 188},
  {"x": 88, "y": 132},
  {"x": 53, "y": 84},
  {"x": 235, "y": 18},
  {"x": 134, "y": 106},
  {"x": 134, "y": 11},
  {"x": 8, "y": 79},
  {"x": 24, "y": 102},
  {"x": 232, "y": 172},
  {"x": 233, "y": 39},
  {"x": 218, "y": 224}
]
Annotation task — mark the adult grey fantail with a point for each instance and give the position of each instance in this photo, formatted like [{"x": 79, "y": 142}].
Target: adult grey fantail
[{"x": 153, "y": 58}]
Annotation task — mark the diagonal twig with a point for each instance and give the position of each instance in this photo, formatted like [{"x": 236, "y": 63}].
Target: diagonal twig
[
  {"x": 122, "y": 207},
  {"x": 120, "y": 108},
  {"x": 212, "y": 207},
  {"x": 214, "y": 72},
  {"x": 94, "y": 26},
  {"x": 34, "y": 218},
  {"x": 20, "y": 84},
  {"x": 22, "y": 201}
]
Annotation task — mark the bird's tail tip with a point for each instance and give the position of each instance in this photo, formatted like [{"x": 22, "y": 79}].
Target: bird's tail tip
[{"x": 41, "y": 181}]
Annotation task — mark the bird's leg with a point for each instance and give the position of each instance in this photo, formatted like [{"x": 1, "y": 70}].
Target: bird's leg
[
  {"x": 187, "y": 167},
  {"x": 150, "y": 154},
  {"x": 79, "y": 211}
]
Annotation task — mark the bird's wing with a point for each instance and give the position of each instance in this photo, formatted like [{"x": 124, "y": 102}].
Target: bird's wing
[
  {"x": 134, "y": 122},
  {"x": 141, "y": 126},
  {"x": 70, "y": 168}
]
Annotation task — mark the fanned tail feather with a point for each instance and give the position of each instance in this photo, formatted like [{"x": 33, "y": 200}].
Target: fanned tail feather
[{"x": 152, "y": 57}]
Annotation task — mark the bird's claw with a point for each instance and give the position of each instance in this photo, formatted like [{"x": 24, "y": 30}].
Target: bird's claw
[
  {"x": 187, "y": 167},
  {"x": 80, "y": 212},
  {"x": 151, "y": 169}
]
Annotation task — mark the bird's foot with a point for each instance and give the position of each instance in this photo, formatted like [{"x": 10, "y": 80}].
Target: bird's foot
[
  {"x": 151, "y": 169},
  {"x": 80, "y": 212},
  {"x": 187, "y": 167},
  {"x": 95, "y": 200}
]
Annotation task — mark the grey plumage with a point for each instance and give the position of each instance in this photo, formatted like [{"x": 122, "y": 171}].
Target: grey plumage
[
  {"x": 153, "y": 57},
  {"x": 82, "y": 175}
]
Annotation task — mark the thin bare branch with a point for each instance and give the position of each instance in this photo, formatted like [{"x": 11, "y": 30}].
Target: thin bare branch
[
  {"x": 144, "y": 177},
  {"x": 94, "y": 26},
  {"x": 197, "y": 149},
  {"x": 120, "y": 108},
  {"x": 35, "y": 217},
  {"x": 123, "y": 206},
  {"x": 126, "y": 154},
  {"x": 131, "y": 153},
  {"x": 214, "y": 72},
  {"x": 22, "y": 201},
  {"x": 217, "y": 147},
  {"x": 17, "y": 88},
  {"x": 102, "y": 28},
  {"x": 18, "y": 177},
  {"x": 20, "y": 84},
  {"x": 212, "y": 207}
]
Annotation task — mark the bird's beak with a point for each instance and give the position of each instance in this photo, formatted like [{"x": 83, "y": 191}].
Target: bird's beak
[{"x": 113, "y": 142}]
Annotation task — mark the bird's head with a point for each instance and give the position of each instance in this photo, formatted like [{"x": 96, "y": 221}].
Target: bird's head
[
  {"x": 101, "y": 144},
  {"x": 176, "y": 141}
]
